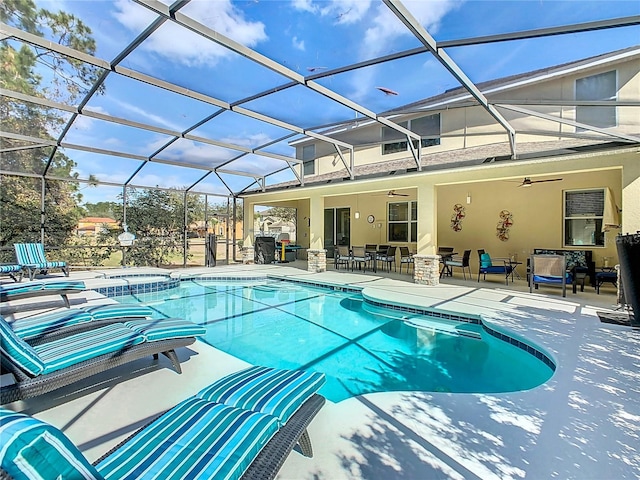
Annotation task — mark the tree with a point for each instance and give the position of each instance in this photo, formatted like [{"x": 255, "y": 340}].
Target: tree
[
  {"x": 102, "y": 209},
  {"x": 23, "y": 70},
  {"x": 156, "y": 217}
]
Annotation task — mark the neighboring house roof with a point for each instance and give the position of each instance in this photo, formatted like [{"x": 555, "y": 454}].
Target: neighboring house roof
[{"x": 97, "y": 220}]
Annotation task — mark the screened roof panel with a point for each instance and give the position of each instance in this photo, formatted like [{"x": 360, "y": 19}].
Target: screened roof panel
[
  {"x": 130, "y": 99},
  {"x": 255, "y": 164},
  {"x": 98, "y": 166},
  {"x": 272, "y": 59},
  {"x": 31, "y": 160},
  {"x": 194, "y": 153},
  {"x": 50, "y": 124},
  {"x": 97, "y": 133},
  {"x": 114, "y": 24},
  {"x": 212, "y": 69},
  {"x": 280, "y": 177},
  {"x": 301, "y": 106},
  {"x": 166, "y": 176},
  {"x": 237, "y": 129}
]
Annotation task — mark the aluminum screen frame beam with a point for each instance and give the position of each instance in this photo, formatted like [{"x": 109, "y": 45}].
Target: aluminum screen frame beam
[{"x": 405, "y": 16}]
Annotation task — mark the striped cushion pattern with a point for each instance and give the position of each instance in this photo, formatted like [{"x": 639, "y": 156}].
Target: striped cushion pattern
[
  {"x": 18, "y": 352},
  {"x": 31, "y": 449},
  {"x": 160, "y": 329},
  {"x": 263, "y": 389},
  {"x": 119, "y": 310},
  {"x": 195, "y": 439},
  {"x": 32, "y": 255},
  {"x": 10, "y": 268},
  {"x": 68, "y": 351},
  {"x": 32, "y": 327},
  {"x": 16, "y": 290}
]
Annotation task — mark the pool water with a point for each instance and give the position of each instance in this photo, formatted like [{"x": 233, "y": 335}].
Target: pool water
[{"x": 360, "y": 349}]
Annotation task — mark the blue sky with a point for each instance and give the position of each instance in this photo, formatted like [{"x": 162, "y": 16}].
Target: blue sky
[{"x": 303, "y": 35}]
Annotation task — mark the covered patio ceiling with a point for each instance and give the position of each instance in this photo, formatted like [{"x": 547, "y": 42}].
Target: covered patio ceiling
[{"x": 208, "y": 97}]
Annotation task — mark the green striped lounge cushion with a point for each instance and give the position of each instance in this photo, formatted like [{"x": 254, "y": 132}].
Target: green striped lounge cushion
[
  {"x": 161, "y": 329},
  {"x": 195, "y": 439},
  {"x": 119, "y": 310},
  {"x": 32, "y": 327},
  {"x": 31, "y": 449},
  {"x": 263, "y": 389},
  {"x": 17, "y": 352},
  {"x": 62, "y": 353}
]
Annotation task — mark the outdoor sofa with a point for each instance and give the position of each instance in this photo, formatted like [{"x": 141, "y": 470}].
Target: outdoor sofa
[
  {"x": 41, "y": 368},
  {"x": 37, "y": 289},
  {"x": 242, "y": 426}
]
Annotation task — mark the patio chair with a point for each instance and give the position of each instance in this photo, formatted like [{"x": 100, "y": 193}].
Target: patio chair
[
  {"x": 198, "y": 438},
  {"x": 45, "y": 367},
  {"x": 342, "y": 256},
  {"x": 14, "y": 271},
  {"x": 388, "y": 257},
  {"x": 502, "y": 266},
  {"x": 37, "y": 289},
  {"x": 46, "y": 327},
  {"x": 462, "y": 262},
  {"x": 550, "y": 270},
  {"x": 32, "y": 258},
  {"x": 359, "y": 257},
  {"x": 406, "y": 258}
]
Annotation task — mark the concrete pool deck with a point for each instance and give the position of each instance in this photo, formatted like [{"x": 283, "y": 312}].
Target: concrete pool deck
[{"x": 583, "y": 423}]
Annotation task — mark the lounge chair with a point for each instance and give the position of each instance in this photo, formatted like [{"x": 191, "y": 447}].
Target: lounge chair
[
  {"x": 198, "y": 438},
  {"x": 45, "y": 367},
  {"x": 550, "y": 270},
  {"x": 37, "y": 289},
  {"x": 14, "y": 271},
  {"x": 32, "y": 258},
  {"x": 62, "y": 323}
]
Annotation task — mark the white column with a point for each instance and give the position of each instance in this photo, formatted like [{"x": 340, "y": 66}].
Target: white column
[
  {"x": 427, "y": 220},
  {"x": 631, "y": 197}
]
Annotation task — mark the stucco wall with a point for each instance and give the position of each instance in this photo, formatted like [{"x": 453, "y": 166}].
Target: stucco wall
[{"x": 536, "y": 210}]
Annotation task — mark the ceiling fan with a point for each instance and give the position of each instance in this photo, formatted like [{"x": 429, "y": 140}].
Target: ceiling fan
[
  {"x": 527, "y": 182},
  {"x": 392, "y": 193}
]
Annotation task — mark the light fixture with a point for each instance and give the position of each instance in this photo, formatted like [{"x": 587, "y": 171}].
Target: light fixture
[
  {"x": 468, "y": 198},
  {"x": 357, "y": 215}
]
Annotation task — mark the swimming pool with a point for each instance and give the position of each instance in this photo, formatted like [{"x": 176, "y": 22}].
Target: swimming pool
[{"x": 361, "y": 348}]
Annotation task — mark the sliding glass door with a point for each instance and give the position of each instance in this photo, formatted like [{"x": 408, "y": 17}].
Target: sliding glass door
[{"x": 337, "y": 228}]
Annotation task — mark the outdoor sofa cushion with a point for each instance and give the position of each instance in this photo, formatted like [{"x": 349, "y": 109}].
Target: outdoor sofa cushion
[{"x": 264, "y": 389}]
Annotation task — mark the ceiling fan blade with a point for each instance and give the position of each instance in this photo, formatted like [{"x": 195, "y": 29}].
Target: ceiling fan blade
[{"x": 550, "y": 180}]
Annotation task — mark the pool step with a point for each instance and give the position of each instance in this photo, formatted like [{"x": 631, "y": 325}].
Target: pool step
[{"x": 447, "y": 327}]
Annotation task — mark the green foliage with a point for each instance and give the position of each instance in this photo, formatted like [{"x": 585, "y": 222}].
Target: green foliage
[
  {"x": 102, "y": 209},
  {"x": 22, "y": 67},
  {"x": 156, "y": 217}
]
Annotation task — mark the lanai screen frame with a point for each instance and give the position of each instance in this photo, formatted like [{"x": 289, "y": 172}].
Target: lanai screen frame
[{"x": 171, "y": 13}]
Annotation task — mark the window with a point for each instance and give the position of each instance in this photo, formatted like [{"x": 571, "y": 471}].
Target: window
[
  {"x": 403, "y": 221},
  {"x": 428, "y": 127},
  {"x": 596, "y": 87},
  {"x": 309, "y": 159},
  {"x": 583, "y": 212}
]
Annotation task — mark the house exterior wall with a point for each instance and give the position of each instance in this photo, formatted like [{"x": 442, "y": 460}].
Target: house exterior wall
[{"x": 473, "y": 126}]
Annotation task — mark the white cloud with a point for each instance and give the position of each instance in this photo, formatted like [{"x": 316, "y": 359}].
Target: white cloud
[
  {"x": 342, "y": 11},
  {"x": 182, "y": 46},
  {"x": 304, "y": 6},
  {"x": 297, "y": 44},
  {"x": 148, "y": 117}
]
